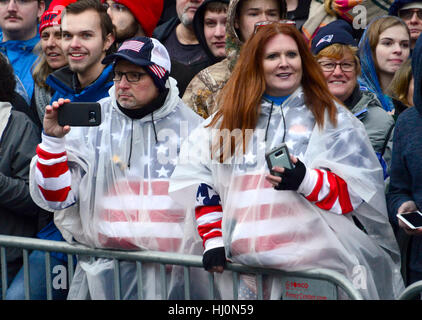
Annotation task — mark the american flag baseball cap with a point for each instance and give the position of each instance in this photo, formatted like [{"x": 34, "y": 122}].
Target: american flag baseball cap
[{"x": 144, "y": 52}]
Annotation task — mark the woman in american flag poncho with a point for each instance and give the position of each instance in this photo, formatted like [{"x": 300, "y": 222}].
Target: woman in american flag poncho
[{"x": 327, "y": 212}]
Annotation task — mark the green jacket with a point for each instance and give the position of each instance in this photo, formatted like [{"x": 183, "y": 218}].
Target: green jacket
[{"x": 378, "y": 123}]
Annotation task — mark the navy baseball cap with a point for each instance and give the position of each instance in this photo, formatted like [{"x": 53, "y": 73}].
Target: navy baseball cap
[
  {"x": 338, "y": 31},
  {"x": 145, "y": 52}
]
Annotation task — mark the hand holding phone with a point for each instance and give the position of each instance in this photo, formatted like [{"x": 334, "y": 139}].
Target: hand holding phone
[
  {"x": 279, "y": 157},
  {"x": 411, "y": 219},
  {"x": 293, "y": 173},
  {"x": 50, "y": 124},
  {"x": 80, "y": 114}
]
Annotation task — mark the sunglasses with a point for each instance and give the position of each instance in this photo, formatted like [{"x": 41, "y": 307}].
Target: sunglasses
[
  {"x": 407, "y": 14},
  {"x": 266, "y": 23}
]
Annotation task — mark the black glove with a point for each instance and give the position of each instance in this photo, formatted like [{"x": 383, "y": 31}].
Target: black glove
[
  {"x": 214, "y": 258},
  {"x": 292, "y": 178}
]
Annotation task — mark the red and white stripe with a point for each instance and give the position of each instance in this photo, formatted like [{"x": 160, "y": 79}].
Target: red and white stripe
[
  {"x": 140, "y": 215},
  {"x": 53, "y": 178},
  {"x": 157, "y": 70},
  {"x": 329, "y": 192},
  {"x": 269, "y": 227},
  {"x": 209, "y": 219}
]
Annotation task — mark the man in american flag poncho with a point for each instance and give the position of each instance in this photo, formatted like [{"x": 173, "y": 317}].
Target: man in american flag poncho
[{"x": 109, "y": 184}]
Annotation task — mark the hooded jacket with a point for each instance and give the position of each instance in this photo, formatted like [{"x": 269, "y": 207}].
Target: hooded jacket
[
  {"x": 119, "y": 176},
  {"x": 184, "y": 73},
  {"x": 406, "y": 165},
  {"x": 202, "y": 91},
  {"x": 198, "y": 27}
]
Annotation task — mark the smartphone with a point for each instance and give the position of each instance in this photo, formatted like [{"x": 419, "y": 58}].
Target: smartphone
[
  {"x": 279, "y": 157},
  {"x": 80, "y": 114},
  {"x": 412, "y": 219}
]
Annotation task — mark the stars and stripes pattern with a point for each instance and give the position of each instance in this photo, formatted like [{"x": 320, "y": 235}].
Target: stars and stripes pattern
[
  {"x": 133, "y": 45},
  {"x": 262, "y": 224},
  {"x": 131, "y": 214},
  {"x": 135, "y": 214},
  {"x": 209, "y": 214}
]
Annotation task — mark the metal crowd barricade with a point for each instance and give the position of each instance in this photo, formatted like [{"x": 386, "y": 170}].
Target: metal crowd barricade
[
  {"x": 411, "y": 291},
  {"x": 162, "y": 258}
]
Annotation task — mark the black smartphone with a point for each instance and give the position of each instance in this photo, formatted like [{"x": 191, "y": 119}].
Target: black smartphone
[
  {"x": 279, "y": 157},
  {"x": 412, "y": 219},
  {"x": 80, "y": 114}
]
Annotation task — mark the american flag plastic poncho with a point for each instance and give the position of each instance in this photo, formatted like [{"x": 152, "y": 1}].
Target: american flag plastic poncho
[
  {"x": 120, "y": 173},
  {"x": 281, "y": 229}
]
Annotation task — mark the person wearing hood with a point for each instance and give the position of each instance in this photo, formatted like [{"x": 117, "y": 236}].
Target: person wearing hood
[
  {"x": 124, "y": 165},
  {"x": 242, "y": 15},
  {"x": 336, "y": 52},
  {"x": 383, "y": 48},
  {"x": 405, "y": 190},
  {"x": 410, "y": 11},
  {"x": 209, "y": 24},
  {"x": 177, "y": 34}
]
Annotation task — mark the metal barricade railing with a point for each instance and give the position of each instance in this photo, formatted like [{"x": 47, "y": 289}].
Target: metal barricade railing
[
  {"x": 411, "y": 291},
  {"x": 162, "y": 258}
]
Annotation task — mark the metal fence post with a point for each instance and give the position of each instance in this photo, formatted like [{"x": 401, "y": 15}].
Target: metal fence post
[{"x": 3, "y": 272}]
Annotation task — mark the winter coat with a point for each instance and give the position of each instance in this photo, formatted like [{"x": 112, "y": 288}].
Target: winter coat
[
  {"x": 21, "y": 57},
  {"x": 19, "y": 138},
  {"x": 64, "y": 83},
  {"x": 378, "y": 124},
  {"x": 119, "y": 180},
  {"x": 406, "y": 164}
]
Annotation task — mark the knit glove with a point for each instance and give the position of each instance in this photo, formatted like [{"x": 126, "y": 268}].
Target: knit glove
[
  {"x": 214, "y": 258},
  {"x": 292, "y": 178}
]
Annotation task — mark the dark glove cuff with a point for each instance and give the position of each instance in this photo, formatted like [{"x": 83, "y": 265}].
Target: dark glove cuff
[{"x": 214, "y": 257}]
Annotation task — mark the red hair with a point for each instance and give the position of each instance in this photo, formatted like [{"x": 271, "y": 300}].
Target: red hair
[{"x": 240, "y": 100}]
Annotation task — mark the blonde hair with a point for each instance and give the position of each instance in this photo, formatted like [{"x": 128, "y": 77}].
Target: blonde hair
[
  {"x": 338, "y": 51},
  {"x": 399, "y": 86},
  {"x": 41, "y": 69}
]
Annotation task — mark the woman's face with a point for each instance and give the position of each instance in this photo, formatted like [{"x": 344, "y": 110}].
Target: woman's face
[
  {"x": 392, "y": 50},
  {"x": 51, "y": 46},
  {"x": 282, "y": 66},
  {"x": 341, "y": 83}
]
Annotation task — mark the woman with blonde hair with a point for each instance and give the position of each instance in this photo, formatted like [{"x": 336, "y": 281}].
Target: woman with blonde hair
[
  {"x": 401, "y": 88},
  {"x": 50, "y": 57},
  {"x": 274, "y": 217}
]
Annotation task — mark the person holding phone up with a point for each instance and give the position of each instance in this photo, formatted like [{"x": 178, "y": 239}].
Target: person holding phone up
[
  {"x": 108, "y": 184},
  {"x": 304, "y": 218},
  {"x": 405, "y": 190}
]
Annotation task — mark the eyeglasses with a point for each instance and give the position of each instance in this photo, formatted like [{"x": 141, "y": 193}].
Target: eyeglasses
[
  {"x": 130, "y": 76},
  {"x": 266, "y": 23},
  {"x": 348, "y": 66},
  {"x": 114, "y": 6},
  {"x": 407, "y": 14},
  {"x": 18, "y": 2}
]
